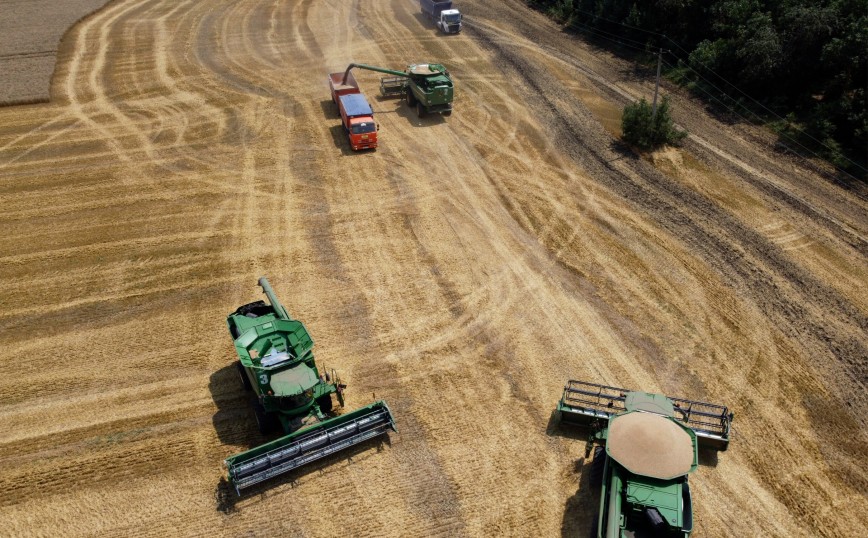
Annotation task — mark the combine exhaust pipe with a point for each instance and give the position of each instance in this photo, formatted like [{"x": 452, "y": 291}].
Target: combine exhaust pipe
[{"x": 310, "y": 444}]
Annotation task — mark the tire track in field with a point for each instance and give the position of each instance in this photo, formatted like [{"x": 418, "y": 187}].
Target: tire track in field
[
  {"x": 508, "y": 370},
  {"x": 640, "y": 192}
]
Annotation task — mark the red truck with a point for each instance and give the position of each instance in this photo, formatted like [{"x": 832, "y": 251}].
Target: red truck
[{"x": 356, "y": 113}]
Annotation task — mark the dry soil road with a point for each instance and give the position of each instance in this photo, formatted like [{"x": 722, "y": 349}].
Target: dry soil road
[{"x": 463, "y": 271}]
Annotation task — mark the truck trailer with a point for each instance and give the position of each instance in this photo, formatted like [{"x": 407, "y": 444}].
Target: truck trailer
[{"x": 357, "y": 117}]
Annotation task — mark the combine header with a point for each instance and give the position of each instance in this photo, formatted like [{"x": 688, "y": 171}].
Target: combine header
[
  {"x": 644, "y": 447},
  {"x": 276, "y": 363}
]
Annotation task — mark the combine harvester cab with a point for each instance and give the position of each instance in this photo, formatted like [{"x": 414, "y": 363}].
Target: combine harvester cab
[
  {"x": 276, "y": 362},
  {"x": 644, "y": 447}
]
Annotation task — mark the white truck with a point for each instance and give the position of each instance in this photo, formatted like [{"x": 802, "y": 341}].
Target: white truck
[{"x": 448, "y": 20}]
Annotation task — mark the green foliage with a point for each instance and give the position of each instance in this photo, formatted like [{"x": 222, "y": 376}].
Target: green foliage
[
  {"x": 807, "y": 57},
  {"x": 561, "y": 10},
  {"x": 758, "y": 50},
  {"x": 709, "y": 56},
  {"x": 643, "y": 129}
]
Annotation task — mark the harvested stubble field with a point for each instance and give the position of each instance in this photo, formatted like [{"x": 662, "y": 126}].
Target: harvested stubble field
[{"x": 463, "y": 272}]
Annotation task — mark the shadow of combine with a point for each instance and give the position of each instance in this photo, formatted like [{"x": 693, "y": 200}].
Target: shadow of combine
[
  {"x": 413, "y": 118},
  {"x": 233, "y": 422},
  {"x": 708, "y": 457},
  {"x": 581, "y": 509},
  {"x": 555, "y": 429},
  {"x": 226, "y": 497}
]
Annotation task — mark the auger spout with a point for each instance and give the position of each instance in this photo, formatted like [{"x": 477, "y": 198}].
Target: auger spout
[
  {"x": 272, "y": 298},
  {"x": 373, "y": 68}
]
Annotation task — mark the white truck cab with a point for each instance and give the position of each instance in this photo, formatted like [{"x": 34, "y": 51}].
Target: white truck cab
[{"x": 449, "y": 21}]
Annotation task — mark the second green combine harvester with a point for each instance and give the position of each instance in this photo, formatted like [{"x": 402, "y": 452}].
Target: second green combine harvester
[
  {"x": 426, "y": 87},
  {"x": 644, "y": 447},
  {"x": 275, "y": 361}
]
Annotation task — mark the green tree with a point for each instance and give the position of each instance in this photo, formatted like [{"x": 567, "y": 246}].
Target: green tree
[{"x": 641, "y": 128}]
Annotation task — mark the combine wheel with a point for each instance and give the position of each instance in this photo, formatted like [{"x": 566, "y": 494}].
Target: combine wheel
[
  {"x": 325, "y": 403},
  {"x": 264, "y": 421},
  {"x": 447, "y": 113},
  {"x": 411, "y": 99},
  {"x": 594, "y": 525},
  {"x": 420, "y": 110},
  {"x": 597, "y": 465},
  {"x": 245, "y": 381}
]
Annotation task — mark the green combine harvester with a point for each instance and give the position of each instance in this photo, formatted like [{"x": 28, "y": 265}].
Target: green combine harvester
[
  {"x": 427, "y": 87},
  {"x": 644, "y": 447},
  {"x": 275, "y": 361}
]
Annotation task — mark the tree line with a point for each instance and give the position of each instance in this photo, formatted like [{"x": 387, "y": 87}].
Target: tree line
[{"x": 798, "y": 65}]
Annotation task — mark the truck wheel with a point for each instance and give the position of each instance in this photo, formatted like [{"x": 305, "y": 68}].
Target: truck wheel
[
  {"x": 411, "y": 99},
  {"x": 420, "y": 110},
  {"x": 245, "y": 381},
  {"x": 325, "y": 403},
  {"x": 265, "y": 421},
  {"x": 597, "y": 466}
]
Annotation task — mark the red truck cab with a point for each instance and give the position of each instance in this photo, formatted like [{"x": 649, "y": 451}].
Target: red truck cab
[{"x": 357, "y": 116}]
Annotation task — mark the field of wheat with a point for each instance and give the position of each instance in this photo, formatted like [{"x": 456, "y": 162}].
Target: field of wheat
[{"x": 463, "y": 272}]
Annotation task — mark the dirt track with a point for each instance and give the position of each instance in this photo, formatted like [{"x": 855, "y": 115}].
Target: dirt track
[{"x": 463, "y": 272}]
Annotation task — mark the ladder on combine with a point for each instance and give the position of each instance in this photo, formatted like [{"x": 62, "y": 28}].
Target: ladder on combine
[
  {"x": 584, "y": 403},
  {"x": 304, "y": 446}
]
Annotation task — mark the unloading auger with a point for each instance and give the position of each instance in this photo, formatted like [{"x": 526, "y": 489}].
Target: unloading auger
[{"x": 276, "y": 363}]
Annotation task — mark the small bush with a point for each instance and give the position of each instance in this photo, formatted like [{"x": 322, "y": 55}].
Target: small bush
[{"x": 639, "y": 130}]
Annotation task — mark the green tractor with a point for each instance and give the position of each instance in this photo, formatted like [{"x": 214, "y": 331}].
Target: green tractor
[
  {"x": 426, "y": 87},
  {"x": 644, "y": 447},
  {"x": 276, "y": 363}
]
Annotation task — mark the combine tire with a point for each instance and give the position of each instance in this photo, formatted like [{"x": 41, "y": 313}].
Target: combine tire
[
  {"x": 420, "y": 110},
  {"x": 245, "y": 381},
  {"x": 594, "y": 523},
  {"x": 325, "y": 403},
  {"x": 411, "y": 99},
  {"x": 447, "y": 113},
  {"x": 264, "y": 421},
  {"x": 597, "y": 465}
]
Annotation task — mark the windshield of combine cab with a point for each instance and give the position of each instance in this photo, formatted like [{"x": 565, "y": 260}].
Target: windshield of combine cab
[{"x": 364, "y": 127}]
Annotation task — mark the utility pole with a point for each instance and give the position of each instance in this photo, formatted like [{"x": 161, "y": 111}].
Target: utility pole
[{"x": 657, "y": 85}]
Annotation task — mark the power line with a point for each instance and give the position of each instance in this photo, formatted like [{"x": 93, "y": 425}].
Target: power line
[
  {"x": 640, "y": 45},
  {"x": 732, "y": 109},
  {"x": 757, "y": 116},
  {"x": 602, "y": 34},
  {"x": 685, "y": 64}
]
